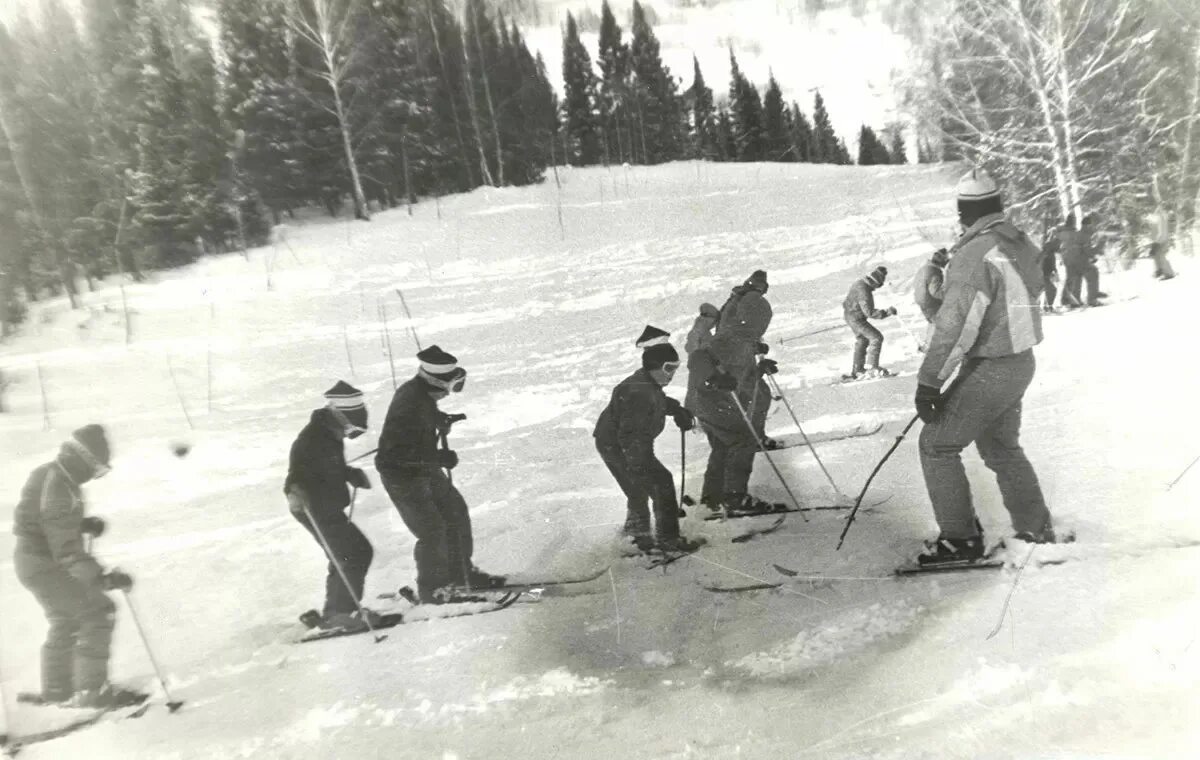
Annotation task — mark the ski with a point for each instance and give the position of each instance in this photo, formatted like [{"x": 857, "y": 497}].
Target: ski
[
  {"x": 851, "y": 380},
  {"x": 718, "y": 589},
  {"x": 15, "y": 744},
  {"x": 744, "y": 537},
  {"x": 791, "y": 440},
  {"x": 512, "y": 583},
  {"x": 781, "y": 508},
  {"x": 420, "y": 614},
  {"x": 949, "y": 567}
]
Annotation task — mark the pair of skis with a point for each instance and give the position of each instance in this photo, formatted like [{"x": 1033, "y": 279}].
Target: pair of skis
[{"x": 13, "y": 744}]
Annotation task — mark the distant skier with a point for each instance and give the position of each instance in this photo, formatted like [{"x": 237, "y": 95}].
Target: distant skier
[
  {"x": 1079, "y": 253},
  {"x": 410, "y": 464},
  {"x": 1160, "y": 243},
  {"x": 732, "y": 444},
  {"x": 316, "y": 487},
  {"x": 738, "y": 343},
  {"x": 990, "y": 322},
  {"x": 1050, "y": 249},
  {"x": 857, "y": 308},
  {"x": 52, "y": 561},
  {"x": 625, "y": 433},
  {"x": 928, "y": 288}
]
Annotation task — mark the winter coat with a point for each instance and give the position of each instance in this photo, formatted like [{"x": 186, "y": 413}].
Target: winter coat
[
  {"x": 1049, "y": 265},
  {"x": 48, "y": 518},
  {"x": 635, "y": 415},
  {"x": 744, "y": 320},
  {"x": 860, "y": 303},
  {"x": 701, "y": 334},
  {"x": 1077, "y": 247},
  {"x": 408, "y": 443},
  {"x": 991, "y": 300},
  {"x": 712, "y": 407},
  {"x": 928, "y": 289},
  {"x": 317, "y": 464}
]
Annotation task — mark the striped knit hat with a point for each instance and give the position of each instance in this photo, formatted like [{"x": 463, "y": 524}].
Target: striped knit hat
[
  {"x": 347, "y": 401},
  {"x": 876, "y": 277},
  {"x": 440, "y": 369}
]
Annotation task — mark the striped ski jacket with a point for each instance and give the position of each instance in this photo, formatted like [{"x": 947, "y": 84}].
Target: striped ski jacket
[{"x": 991, "y": 299}]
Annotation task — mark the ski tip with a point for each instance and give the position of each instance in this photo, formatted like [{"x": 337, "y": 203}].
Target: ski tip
[
  {"x": 174, "y": 706},
  {"x": 785, "y": 571}
]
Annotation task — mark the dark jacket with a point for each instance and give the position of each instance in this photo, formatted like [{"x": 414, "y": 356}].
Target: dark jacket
[
  {"x": 408, "y": 443},
  {"x": 317, "y": 464},
  {"x": 713, "y": 407},
  {"x": 49, "y": 515},
  {"x": 860, "y": 303},
  {"x": 929, "y": 289},
  {"x": 635, "y": 415},
  {"x": 744, "y": 319},
  {"x": 1049, "y": 251}
]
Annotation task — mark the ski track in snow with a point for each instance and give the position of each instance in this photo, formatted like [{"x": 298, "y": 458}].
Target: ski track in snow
[{"x": 1095, "y": 657}]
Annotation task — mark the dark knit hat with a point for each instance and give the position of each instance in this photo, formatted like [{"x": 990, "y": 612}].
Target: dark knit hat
[
  {"x": 757, "y": 280},
  {"x": 658, "y": 355},
  {"x": 940, "y": 257},
  {"x": 347, "y": 400},
  {"x": 94, "y": 441},
  {"x": 652, "y": 336},
  {"x": 440, "y": 369},
  {"x": 876, "y": 277},
  {"x": 708, "y": 310}
]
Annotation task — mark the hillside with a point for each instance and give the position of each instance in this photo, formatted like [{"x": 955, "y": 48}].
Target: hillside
[{"x": 1096, "y": 657}]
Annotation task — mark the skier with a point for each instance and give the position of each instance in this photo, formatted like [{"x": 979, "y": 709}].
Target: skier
[
  {"x": 738, "y": 343},
  {"x": 990, "y": 322},
  {"x": 731, "y": 441},
  {"x": 411, "y": 465},
  {"x": 625, "y": 433},
  {"x": 1050, "y": 249},
  {"x": 858, "y": 307},
  {"x": 1160, "y": 243},
  {"x": 1091, "y": 248},
  {"x": 928, "y": 288},
  {"x": 316, "y": 488},
  {"x": 52, "y": 561}
]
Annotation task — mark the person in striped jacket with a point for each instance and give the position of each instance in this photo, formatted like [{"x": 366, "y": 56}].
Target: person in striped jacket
[{"x": 989, "y": 323}]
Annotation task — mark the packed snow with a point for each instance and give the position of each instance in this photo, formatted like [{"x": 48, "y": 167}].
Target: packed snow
[{"x": 1094, "y": 657}]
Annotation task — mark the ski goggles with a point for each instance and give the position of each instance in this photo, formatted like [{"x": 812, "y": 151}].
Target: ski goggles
[
  {"x": 451, "y": 382},
  {"x": 670, "y": 367}
]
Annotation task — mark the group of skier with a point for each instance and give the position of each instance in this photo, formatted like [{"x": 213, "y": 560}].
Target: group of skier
[{"x": 980, "y": 297}]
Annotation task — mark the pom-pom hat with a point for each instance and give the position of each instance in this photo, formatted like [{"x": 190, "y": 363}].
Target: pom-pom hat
[
  {"x": 347, "y": 401},
  {"x": 652, "y": 336}
]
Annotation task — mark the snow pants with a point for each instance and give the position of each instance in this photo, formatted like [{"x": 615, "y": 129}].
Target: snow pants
[
  {"x": 1077, "y": 275},
  {"x": 868, "y": 342},
  {"x": 437, "y": 515},
  {"x": 730, "y": 459},
  {"x": 353, "y": 552},
  {"x": 651, "y": 482},
  {"x": 1050, "y": 288},
  {"x": 1162, "y": 268},
  {"x": 983, "y": 407},
  {"x": 81, "y": 617}
]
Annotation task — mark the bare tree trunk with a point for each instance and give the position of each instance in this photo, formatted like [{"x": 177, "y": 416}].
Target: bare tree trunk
[
  {"x": 408, "y": 192},
  {"x": 1065, "y": 97},
  {"x": 1193, "y": 112},
  {"x": 473, "y": 111},
  {"x": 487, "y": 95},
  {"x": 360, "y": 201}
]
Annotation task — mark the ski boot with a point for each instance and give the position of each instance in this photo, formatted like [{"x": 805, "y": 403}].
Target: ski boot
[
  {"x": 351, "y": 621},
  {"x": 737, "y": 504},
  {"x": 770, "y": 444},
  {"x": 873, "y": 372},
  {"x": 1045, "y": 536},
  {"x": 478, "y": 580},
  {"x": 950, "y": 550},
  {"x": 680, "y": 544},
  {"x": 107, "y": 697}
]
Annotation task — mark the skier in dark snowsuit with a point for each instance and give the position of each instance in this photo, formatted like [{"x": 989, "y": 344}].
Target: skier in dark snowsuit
[
  {"x": 989, "y": 322},
  {"x": 928, "y": 288},
  {"x": 738, "y": 342},
  {"x": 858, "y": 307},
  {"x": 411, "y": 463},
  {"x": 1050, "y": 251},
  {"x": 316, "y": 487},
  {"x": 625, "y": 433},
  {"x": 52, "y": 561}
]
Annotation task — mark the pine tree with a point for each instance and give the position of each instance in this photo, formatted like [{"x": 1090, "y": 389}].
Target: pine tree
[
  {"x": 726, "y": 136},
  {"x": 893, "y": 136},
  {"x": 579, "y": 85},
  {"x": 802, "y": 135},
  {"x": 614, "y": 89},
  {"x": 776, "y": 127},
  {"x": 704, "y": 126},
  {"x": 870, "y": 150},
  {"x": 656, "y": 95},
  {"x": 825, "y": 141},
  {"x": 746, "y": 113}
]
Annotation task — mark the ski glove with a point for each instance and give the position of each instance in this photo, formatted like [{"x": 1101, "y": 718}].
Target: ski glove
[
  {"x": 761, "y": 348},
  {"x": 722, "y": 381},
  {"x": 92, "y": 526},
  {"x": 684, "y": 419},
  {"x": 890, "y": 311},
  {"x": 929, "y": 402},
  {"x": 357, "y": 478},
  {"x": 115, "y": 580},
  {"x": 768, "y": 366},
  {"x": 447, "y": 458}
]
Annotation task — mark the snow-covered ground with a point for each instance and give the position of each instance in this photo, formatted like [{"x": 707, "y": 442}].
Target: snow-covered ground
[{"x": 1096, "y": 657}]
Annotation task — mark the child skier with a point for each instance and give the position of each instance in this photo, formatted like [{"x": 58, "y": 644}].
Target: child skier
[{"x": 858, "y": 307}]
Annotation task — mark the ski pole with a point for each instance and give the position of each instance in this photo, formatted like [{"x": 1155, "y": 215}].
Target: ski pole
[
  {"x": 353, "y": 496},
  {"x": 682, "y": 469},
  {"x": 172, "y": 704},
  {"x": 878, "y": 467},
  {"x": 809, "y": 334},
  {"x": 779, "y": 392},
  {"x": 762, "y": 447},
  {"x": 333, "y": 560},
  {"x": 444, "y": 435}
]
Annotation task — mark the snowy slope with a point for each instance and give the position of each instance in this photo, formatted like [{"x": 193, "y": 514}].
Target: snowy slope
[{"x": 1095, "y": 659}]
